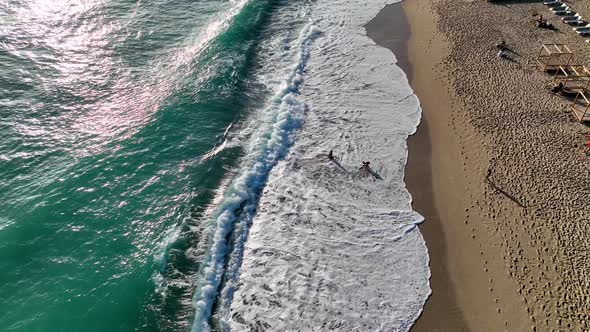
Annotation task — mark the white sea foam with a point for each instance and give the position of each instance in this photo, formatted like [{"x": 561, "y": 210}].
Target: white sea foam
[
  {"x": 234, "y": 214},
  {"x": 329, "y": 248}
]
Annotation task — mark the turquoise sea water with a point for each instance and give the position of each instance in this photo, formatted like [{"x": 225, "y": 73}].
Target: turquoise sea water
[{"x": 113, "y": 116}]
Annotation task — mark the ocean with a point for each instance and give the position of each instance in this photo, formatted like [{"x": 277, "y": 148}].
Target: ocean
[{"x": 163, "y": 168}]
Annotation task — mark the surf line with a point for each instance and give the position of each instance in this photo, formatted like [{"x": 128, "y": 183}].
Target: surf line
[{"x": 236, "y": 211}]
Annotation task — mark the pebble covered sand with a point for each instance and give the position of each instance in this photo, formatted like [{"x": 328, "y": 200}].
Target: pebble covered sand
[{"x": 529, "y": 178}]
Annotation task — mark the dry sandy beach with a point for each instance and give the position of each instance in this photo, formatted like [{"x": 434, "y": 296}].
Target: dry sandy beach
[{"x": 496, "y": 166}]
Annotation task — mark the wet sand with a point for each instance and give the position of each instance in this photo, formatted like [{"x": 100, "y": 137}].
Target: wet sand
[{"x": 391, "y": 29}]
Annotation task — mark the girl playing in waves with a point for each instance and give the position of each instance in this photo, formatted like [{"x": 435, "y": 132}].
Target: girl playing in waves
[{"x": 365, "y": 170}]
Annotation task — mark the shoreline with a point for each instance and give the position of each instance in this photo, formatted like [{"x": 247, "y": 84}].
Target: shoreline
[
  {"x": 346, "y": 253},
  {"x": 391, "y": 29}
]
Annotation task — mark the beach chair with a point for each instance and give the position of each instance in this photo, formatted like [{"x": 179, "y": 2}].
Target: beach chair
[
  {"x": 585, "y": 27},
  {"x": 552, "y": 2},
  {"x": 557, "y": 4},
  {"x": 565, "y": 13},
  {"x": 562, "y": 12},
  {"x": 573, "y": 20},
  {"x": 577, "y": 23}
]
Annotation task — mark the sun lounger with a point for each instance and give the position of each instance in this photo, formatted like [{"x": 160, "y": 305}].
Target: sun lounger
[
  {"x": 573, "y": 17},
  {"x": 556, "y": 4},
  {"x": 583, "y": 32},
  {"x": 560, "y": 7},
  {"x": 585, "y": 27},
  {"x": 552, "y": 2},
  {"x": 572, "y": 20},
  {"x": 577, "y": 23},
  {"x": 563, "y": 11},
  {"x": 574, "y": 23}
]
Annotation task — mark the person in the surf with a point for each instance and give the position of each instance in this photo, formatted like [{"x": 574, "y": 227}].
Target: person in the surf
[
  {"x": 330, "y": 155},
  {"x": 366, "y": 171},
  {"x": 365, "y": 166}
]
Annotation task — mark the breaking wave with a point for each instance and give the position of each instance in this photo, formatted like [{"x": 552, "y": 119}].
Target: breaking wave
[{"x": 234, "y": 215}]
